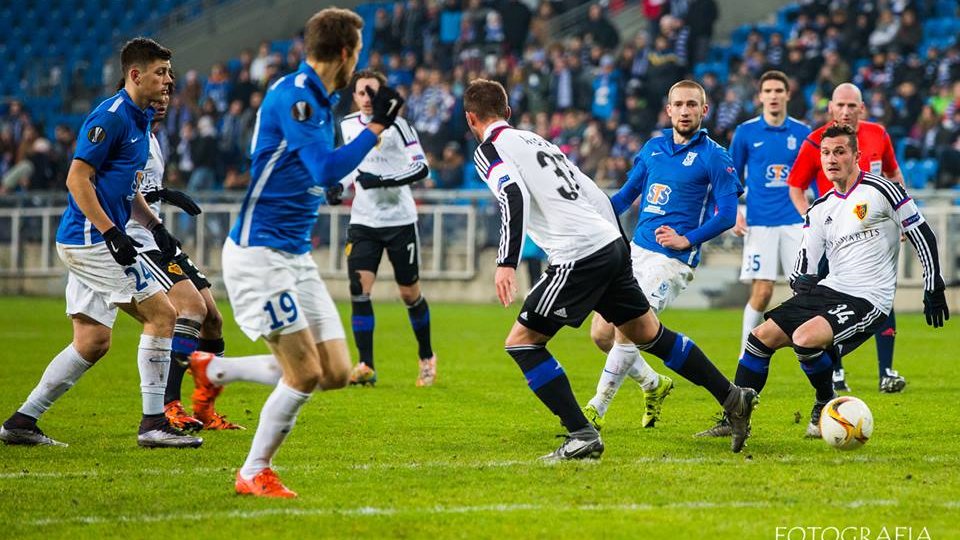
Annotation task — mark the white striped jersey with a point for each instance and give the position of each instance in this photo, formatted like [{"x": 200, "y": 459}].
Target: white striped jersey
[
  {"x": 859, "y": 232},
  {"x": 397, "y": 156},
  {"x": 543, "y": 194},
  {"x": 152, "y": 181}
]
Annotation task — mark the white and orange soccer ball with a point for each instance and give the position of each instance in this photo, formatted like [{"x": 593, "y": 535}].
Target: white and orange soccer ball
[{"x": 846, "y": 423}]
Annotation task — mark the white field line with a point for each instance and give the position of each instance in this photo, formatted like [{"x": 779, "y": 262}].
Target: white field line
[
  {"x": 426, "y": 465},
  {"x": 428, "y": 510}
]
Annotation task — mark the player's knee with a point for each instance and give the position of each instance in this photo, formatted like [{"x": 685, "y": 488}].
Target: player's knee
[
  {"x": 409, "y": 293},
  {"x": 356, "y": 287},
  {"x": 306, "y": 378},
  {"x": 162, "y": 317},
  {"x": 806, "y": 338},
  {"x": 603, "y": 340},
  {"x": 336, "y": 376},
  {"x": 93, "y": 347}
]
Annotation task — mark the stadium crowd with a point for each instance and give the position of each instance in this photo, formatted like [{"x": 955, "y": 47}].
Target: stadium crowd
[{"x": 595, "y": 93}]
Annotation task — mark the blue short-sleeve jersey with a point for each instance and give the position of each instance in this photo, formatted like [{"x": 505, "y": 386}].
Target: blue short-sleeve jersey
[
  {"x": 763, "y": 154},
  {"x": 115, "y": 141},
  {"x": 282, "y": 201},
  {"x": 680, "y": 186}
]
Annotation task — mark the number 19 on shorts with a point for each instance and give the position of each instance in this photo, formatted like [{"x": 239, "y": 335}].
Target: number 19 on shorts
[{"x": 282, "y": 310}]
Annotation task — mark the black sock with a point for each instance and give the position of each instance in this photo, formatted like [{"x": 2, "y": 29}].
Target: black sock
[
  {"x": 213, "y": 346},
  {"x": 150, "y": 422},
  {"x": 682, "y": 355},
  {"x": 18, "y": 420},
  {"x": 419, "y": 314},
  {"x": 549, "y": 382},
  {"x": 817, "y": 365},
  {"x": 363, "y": 323},
  {"x": 886, "y": 337},
  {"x": 754, "y": 366},
  {"x": 186, "y": 338}
]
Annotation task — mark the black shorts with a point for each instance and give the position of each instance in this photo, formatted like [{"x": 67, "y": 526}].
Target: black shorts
[
  {"x": 567, "y": 293},
  {"x": 365, "y": 247},
  {"x": 853, "y": 320},
  {"x": 169, "y": 272}
]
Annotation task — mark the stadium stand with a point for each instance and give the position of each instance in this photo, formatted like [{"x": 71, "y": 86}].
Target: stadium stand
[{"x": 594, "y": 92}]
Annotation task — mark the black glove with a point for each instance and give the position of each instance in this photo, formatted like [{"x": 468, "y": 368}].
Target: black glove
[
  {"x": 166, "y": 242},
  {"x": 386, "y": 105},
  {"x": 369, "y": 180},
  {"x": 804, "y": 283},
  {"x": 121, "y": 246},
  {"x": 177, "y": 198},
  {"x": 334, "y": 194},
  {"x": 935, "y": 304}
]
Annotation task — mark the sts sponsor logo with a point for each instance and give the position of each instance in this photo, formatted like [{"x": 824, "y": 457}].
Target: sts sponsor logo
[
  {"x": 657, "y": 196},
  {"x": 776, "y": 175}
]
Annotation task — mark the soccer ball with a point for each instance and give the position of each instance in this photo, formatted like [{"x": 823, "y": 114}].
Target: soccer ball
[{"x": 846, "y": 423}]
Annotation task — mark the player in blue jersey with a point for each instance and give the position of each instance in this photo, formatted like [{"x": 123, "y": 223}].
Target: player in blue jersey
[
  {"x": 690, "y": 190},
  {"x": 763, "y": 149},
  {"x": 272, "y": 280},
  {"x": 105, "y": 271}
]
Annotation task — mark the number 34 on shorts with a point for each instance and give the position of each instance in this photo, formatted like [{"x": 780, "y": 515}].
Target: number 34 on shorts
[{"x": 281, "y": 310}]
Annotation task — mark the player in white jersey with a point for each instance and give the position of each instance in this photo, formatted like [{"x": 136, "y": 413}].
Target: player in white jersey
[
  {"x": 857, "y": 226},
  {"x": 198, "y": 318},
  {"x": 543, "y": 194},
  {"x": 383, "y": 217}
]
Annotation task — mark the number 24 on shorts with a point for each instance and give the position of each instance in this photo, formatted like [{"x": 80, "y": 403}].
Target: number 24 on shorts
[{"x": 282, "y": 310}]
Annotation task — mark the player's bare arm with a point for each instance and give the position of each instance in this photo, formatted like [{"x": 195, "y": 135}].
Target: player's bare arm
[{"x": 80, "y": 184}]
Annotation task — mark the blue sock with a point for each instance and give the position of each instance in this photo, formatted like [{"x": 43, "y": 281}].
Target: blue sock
[
  {"x": 886, "y": 337},
  {"x": 419, "y": 315},
  {"x": 818, "y": 366},
  {"x": 186, "y": 339},
  {"x": 546, "y": 378},
  {"x": 754, "y": 366},
  {"x": 682, "y": 355},
  {"x": 363, "y": 323}
]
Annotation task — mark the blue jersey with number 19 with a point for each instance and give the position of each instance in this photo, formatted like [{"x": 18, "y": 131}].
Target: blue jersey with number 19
[
  {"x": 293, "y": 161},
  {"x": 115, "y": 141},
  {"x": 763, "y": 154}
]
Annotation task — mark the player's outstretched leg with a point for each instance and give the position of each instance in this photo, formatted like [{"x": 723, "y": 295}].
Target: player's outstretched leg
[
  {"x": 211, "y": 371},
  {"x": 891, "y": 382},
  {"x": 61, "y": 374},
  {"x": 682, "y": 355},
  {"x": 546, "y": 378}
]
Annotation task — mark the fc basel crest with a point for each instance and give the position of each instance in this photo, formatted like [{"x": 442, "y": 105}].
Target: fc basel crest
[
  {"x": 96, "y": 134},
  {"x": 174, "y": 268},
  {"x": 301, "y": 110},
  {"x": 860, "y": 211}
]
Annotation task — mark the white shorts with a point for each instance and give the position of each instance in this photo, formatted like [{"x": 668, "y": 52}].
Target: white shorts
[
  {"x": 96, "y": 283},
  {"x": 273, "y": 292},
  {"x": 763, "y": 247},
  {"x": 661, "y": 278}
]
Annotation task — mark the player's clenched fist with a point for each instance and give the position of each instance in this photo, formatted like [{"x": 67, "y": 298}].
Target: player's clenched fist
[
  {"x": 386, "y": 105},
  {"x": 121, "y": 246}
]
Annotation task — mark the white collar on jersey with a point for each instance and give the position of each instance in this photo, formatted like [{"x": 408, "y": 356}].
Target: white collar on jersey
[{"x": 499, "y": 123}]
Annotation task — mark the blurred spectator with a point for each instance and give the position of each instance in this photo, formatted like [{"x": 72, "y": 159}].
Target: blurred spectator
[
  {"x": 217, "y": 88},
  {"x": 205, "y": 154},
  {"x": 910, "y": 33},
  {"x": 886, "y": 30},
  {"x": 599, "y": 30},
  {"x": 701, "y": 17},
  {"x": 447, "y": 171},
  {"x": 258, "y": 67},
  {"x": 516, "y": 23}
]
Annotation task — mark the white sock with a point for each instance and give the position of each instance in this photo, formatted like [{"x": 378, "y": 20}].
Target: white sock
[
  {"x": 153, "y": 361},
  {"x": 751, "y": 319},
  {"x": 646, "y": 377},
  {"x": 621, "y": 358},
  {"x": 277, "y": 419},
  {"x": 263, "y": 369},
  {"x": 61, "y": 374}
]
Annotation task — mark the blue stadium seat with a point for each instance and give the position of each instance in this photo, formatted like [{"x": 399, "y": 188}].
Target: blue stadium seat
[
  {"x": 912, "y": 174},
  {"x": 930, "y": 168}
]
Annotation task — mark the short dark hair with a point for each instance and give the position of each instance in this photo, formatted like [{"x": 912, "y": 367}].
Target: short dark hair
[
  {"x": 142, "y": 51},
  {"x": 329, "y": 31},
  {"x": 487, "y": 99},
  {"x": 838, "y": 130},
  {"x": 775, "y": 75},
  {"x": 367, "y": 74}
]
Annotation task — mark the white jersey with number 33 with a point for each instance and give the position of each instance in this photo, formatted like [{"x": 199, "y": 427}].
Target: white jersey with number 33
[{"x": 542, "y": 193}]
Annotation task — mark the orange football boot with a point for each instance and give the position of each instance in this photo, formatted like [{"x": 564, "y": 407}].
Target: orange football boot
[
  {"x": 179, "y": 418},
  {"x": 265, "y": 484},
  {"x": 205, "y": 394}
]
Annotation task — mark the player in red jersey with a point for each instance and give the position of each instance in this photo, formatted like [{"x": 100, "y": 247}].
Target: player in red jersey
[{"x": 876, "y": 156}]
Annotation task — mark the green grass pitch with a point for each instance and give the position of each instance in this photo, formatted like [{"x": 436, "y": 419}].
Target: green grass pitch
[{"x": 458, "y": 459}]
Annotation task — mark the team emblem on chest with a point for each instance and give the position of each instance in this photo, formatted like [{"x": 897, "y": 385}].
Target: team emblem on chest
[
  {"x": 860, "y": 211},
  {"x": 791, "y": 143},
  {"x": 688, "y": 160}
]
